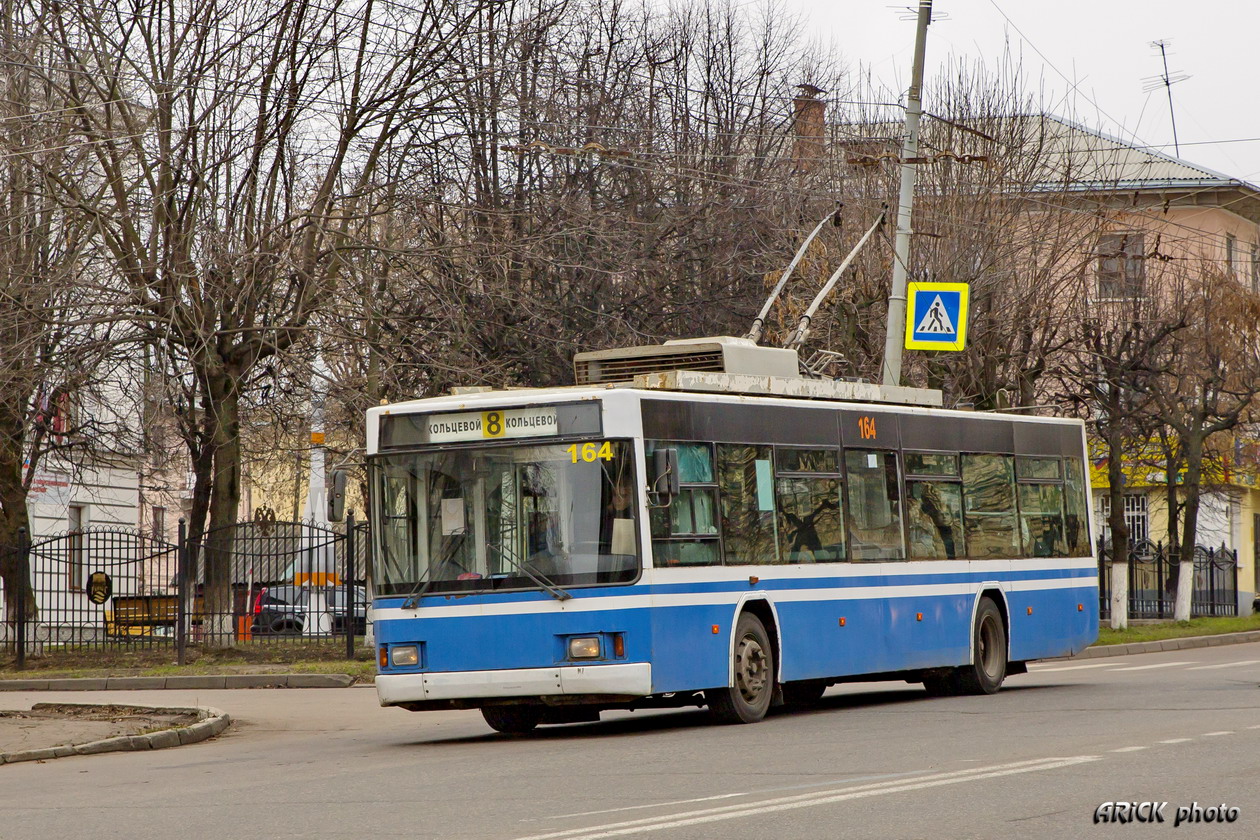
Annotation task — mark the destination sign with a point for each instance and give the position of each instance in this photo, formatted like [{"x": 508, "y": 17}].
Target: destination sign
[
  {"x": 570, "y": 419},
  {"x": 492, "y": 425}
]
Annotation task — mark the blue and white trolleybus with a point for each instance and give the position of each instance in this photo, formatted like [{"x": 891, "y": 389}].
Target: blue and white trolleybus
[{"x": 696, "y": 525}]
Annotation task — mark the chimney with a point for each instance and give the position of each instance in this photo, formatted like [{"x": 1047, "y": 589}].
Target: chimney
[{"x": 807, "y": 126}]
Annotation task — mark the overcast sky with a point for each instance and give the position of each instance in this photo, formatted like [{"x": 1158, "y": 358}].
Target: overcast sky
[{"x": 1103, "y": 46}]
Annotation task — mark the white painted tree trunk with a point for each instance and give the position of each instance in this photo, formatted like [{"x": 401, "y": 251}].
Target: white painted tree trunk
[
  {"x": 1119, "y": 596},
  {"x": 219, "y": 630},
  {"x": 1185, "y": 588}
]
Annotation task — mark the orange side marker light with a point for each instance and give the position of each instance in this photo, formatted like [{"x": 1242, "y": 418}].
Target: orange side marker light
[
  {"x": 716, "y": 629},
  {"x": 841, "y": 621},
  {"x": 1030, "y": 610},
  {"x": 918, "y": 616}
]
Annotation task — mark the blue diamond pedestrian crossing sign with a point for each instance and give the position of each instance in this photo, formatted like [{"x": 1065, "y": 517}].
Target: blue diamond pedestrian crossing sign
[{"x": 936, "y": 316}]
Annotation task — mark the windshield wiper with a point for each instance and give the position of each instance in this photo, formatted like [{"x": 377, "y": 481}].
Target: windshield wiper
[
  {"x": 426, "y": 581},
  {"x": 538, "y": 577}
]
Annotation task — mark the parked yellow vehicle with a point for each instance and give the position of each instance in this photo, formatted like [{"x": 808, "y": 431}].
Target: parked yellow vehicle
[{"x": 142, "y": 615}]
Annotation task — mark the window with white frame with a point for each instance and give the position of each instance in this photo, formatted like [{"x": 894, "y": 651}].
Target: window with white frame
[{"x": 1135, "y": 517}]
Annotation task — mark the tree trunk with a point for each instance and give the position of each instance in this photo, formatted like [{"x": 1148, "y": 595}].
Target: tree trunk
[
  {"x": 1119, "y": 531},
  {"x": 223, "y": 422},
  {"x": 1192, "y": 446},
  {"x": 14, "y": 516}
]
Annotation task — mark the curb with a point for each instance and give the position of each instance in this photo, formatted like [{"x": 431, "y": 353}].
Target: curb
[
  {"x": 210, "y": 722},
  {"x": 1183, "y": 643},
  {"x": 211, "y": 681}
]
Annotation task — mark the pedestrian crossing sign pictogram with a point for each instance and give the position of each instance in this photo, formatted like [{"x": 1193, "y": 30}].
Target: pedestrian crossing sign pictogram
[{"x": 936, "y": 316}]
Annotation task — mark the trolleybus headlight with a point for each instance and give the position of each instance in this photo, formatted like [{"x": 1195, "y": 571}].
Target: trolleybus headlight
[
  {"x": 586, "y": 647},
  {"x": 404, "y": 656}
]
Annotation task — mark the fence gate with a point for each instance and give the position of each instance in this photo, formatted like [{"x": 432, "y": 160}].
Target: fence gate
[
  {"x": 1153, "y": 581},
  {"x": 290, "y": 581}
]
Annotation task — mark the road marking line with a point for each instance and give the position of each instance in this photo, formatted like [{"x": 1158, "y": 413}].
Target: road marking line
[
  {"x": 786, "y": 803},
  {"x": 1073, "y": 667},
  {"x": 1214, "y": 734},
  {"x": 1225, "y": 665},
  {"x": 760, "y": 792},
  {"x": 1129, "y": 749},
  {"x": 1149, "y": 667},
  {"x": 1177, "y": 741},
  {"x": 1257, "y": 726},
  {"x": 639, "y": 807}
]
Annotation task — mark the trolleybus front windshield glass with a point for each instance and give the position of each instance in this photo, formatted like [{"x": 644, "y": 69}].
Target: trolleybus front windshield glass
[{"x": 501, "y": 517}]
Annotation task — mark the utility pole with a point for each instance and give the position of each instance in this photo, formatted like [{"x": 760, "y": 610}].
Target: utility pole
[{"x": 895, "y": 334}]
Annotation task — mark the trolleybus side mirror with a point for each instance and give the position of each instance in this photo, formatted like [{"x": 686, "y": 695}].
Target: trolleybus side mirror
[
  {"x": 337, "y": 496},
  {"x": 664, "y": 482}
]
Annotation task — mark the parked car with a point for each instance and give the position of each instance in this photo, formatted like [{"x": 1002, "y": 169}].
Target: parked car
[{"x": 282, "y": 609}]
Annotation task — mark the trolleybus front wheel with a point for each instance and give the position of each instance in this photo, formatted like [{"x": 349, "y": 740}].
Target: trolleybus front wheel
[
  {"x": 748, "y": 700},
  {"x": 513, "y": 720}
]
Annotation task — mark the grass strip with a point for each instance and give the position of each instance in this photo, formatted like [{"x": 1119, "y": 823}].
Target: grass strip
[{"x": 1178, "y": 629}]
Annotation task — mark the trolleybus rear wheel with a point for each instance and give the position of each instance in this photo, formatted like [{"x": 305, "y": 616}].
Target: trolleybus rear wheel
[
  {"x": 512, "y": 720},
  {"x": 748, "y": 700},
  {"x": 988, "y": 667}
]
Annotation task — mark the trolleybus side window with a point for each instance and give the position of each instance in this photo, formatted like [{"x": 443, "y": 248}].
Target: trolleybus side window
[
  {"x": 746, "y": 491},
  {"x": 874, "y": 505},
  {"x": 686, "y": 533},
  {"x": 934, "y": 506},
  {"x": 808, "y": 489},
  {"x": 989, "y": 505},
  {"x": 1040, "y": 483},
  {"x": 1076, "y": 513}
]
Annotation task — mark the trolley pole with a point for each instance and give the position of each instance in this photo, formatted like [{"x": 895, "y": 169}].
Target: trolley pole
[{"x": 895, "y": 334}]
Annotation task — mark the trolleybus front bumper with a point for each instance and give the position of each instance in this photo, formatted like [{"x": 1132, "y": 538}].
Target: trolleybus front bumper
[{"x": 632, "y": 679}]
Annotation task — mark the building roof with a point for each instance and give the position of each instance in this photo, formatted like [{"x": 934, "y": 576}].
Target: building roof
[{"x": 1085, "y": 159}]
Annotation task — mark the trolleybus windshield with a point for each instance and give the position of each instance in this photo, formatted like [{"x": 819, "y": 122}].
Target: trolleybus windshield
[{"x": 505, "y": 517}]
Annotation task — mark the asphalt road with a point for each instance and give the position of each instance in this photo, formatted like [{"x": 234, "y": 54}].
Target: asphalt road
[{"x": 871, "y": 761}]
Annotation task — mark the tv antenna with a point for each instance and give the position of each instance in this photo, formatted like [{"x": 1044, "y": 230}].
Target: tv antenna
[{"x": 1166, "y": 80}]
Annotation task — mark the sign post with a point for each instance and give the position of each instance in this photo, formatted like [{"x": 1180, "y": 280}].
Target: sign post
[{"x": 936, "y": 316}]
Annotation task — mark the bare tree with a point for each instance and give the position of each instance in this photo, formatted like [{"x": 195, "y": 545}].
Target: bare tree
[
  {"x": 57, "y": 322},
  {"x": 1106, "y": 375},
  {"x": 236, "y": 145},
  {"x": 1209, "y": 384}
]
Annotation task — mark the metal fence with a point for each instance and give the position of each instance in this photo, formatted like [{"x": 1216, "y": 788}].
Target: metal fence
[
  {"x": 1153, "y": 581},
  {"x": 106, "y": 588}
]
